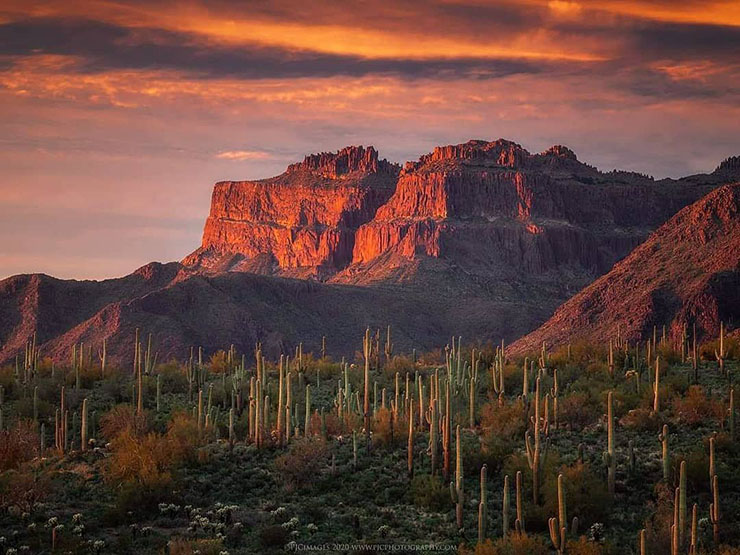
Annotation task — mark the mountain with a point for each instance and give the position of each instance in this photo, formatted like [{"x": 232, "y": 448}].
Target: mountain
[
  {"x": 483, "y": 239},
  {"x": 687, "y": 272},
  {"x": 301, "y": 223}
]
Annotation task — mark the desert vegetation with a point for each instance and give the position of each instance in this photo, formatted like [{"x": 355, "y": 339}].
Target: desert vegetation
[{"x": 620, "y": 447}]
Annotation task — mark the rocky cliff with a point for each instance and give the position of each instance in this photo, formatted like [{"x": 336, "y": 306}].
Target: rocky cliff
[
  {"x": 299, "y": 223},
  {"x": 687, "y": 272},
  {"x": 518, "y": 212}
]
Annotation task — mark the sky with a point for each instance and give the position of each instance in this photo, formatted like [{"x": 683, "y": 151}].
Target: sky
[{"x": 116, "y": 118}]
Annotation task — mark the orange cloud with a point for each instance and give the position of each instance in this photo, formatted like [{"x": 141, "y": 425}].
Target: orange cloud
[{"x": 242, "y": 155}]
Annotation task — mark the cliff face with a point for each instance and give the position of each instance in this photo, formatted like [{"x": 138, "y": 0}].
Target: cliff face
[
  {"x": 305, "y": 218},
  {"x": 686, "y": 273},
  {"x": 517, "y": 211}
]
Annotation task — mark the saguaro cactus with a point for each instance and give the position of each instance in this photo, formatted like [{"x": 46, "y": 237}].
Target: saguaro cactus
[
  {"x": 720, "y": 355},
  {"x": 609, "y": 455},
  {"x": 505, "y": 508},
  {"x": 536, "y": 456},
  {"x": 663, "y": 438},
  {"x": 519, "y": 522},
  {"x": 558, "y": 525},
  {"x": 410, "y": 448},
  {"x": 366, "y": 351},
  {"x": 83, "y": 427},
  {"x": 554, "y": 394},
  {"x": 712, "y": 466},
  {"x": 307, "y": 418},
  {"x": 731, "y": 416},
  {"x": 456, "y": 487},
  {"x": 483, "y": 505},
  {"x": 682, "y": 504},
  {"x": 714, "y": 513},
  {"x": 281, "y": 409},
  {"x": 693, "y": 546},
  {"x": 446, "y": 435},
  {"x": 433, "y": 427},
  {"x": 656, "y": 386}
]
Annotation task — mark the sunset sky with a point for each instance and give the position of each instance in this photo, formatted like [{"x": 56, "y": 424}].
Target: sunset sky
[{"x": 116, "y": 118}]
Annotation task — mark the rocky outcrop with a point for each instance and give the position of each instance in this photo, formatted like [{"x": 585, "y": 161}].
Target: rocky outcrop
[
  {"x": 305, "y": 218},
  {"x": 530, "y": 213},
  {"x": 686, "y": 273}
]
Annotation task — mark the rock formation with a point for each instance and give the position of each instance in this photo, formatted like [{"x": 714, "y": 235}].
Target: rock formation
[
  {"x": 299, "y": 223},
  {"x": 687, "y": 272}
]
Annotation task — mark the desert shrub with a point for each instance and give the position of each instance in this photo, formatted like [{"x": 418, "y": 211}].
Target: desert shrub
[
  {"x": 183, "y": 436},
  {"x": 582, "y": 546},
  {"x": 697, "y": 469},
  {"x": 535, "y": 516},
  {"x": 732, "y": 348},
  {"x": 493, "y": 452},
  {"x": 122, "y": 418},
  {"x": 402, "y": 364},
  {"x": 303, "y": 461},
  {"x": 505, "y": 421},
  {"x": 658, "y": 526},
  {"x": 669, "y": 354},
  {"x": 642, "y": 420},
  {"x": 191, "y": 547},
  {"x": 513, "y": 377},
  {"x": 695, "y": 408},
  {"x": 513, "y": 544},
  {"x": 23, "y": 490},
  {"x": 578, "y": 410},
  {"x": 88, "y": 376},
  {"x": 386, "y": 432},
  {"x": 334, "y": 426},
  {"x": 586, "y": 494},
  {"x": 173, "y": 377},
  {"x": 429, "y": 492},
  {"x": 273, "y": 536},
  {"x": 218, "y": 363},
  {"x": 146, "y": 460},
  {"x": 8, "y": 381},
  {"x": 18, "y": 443}
]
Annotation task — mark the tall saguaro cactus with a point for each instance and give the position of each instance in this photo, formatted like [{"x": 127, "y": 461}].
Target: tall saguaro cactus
[
  {"x": 663, "y": 438},
  {"x": 714, "y": 513},
  {"x": 519, "y": 523},
  {"x": 456, "y": 487},
  {"x": 483, "y": 505},
  {"x": 410, "y": 447},
  {"x": 505, "y": 508},
  {"x": 609, "y": 455},
  {"x": 536, "y": 455},
  {"x": 656, "y": 386},
  {"x": 366, "y": 351}
]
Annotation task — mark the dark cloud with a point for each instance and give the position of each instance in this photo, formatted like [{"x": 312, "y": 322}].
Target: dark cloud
[
  {"x": 686, "y": 41},
  {"x": 103, "y": 46}
]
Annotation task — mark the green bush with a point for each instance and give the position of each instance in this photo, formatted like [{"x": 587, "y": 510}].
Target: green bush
[{"x": 429, "y": 492}]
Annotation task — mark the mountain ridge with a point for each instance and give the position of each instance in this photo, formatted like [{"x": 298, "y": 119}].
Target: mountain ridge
[{"x": 482, "y": 239}]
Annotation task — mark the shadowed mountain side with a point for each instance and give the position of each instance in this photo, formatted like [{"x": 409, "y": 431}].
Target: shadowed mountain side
[
  {"x": 244, "y": 308},
  {"x": 686, "y": 273}
]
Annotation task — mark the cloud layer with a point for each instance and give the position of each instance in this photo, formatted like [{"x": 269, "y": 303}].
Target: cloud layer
[{"x": 129, "y": 111}]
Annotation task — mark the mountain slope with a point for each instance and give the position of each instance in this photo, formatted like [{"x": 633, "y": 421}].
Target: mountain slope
[
  {"x": 688, "y": 271},
  {"x": 482, "y": 239}
]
